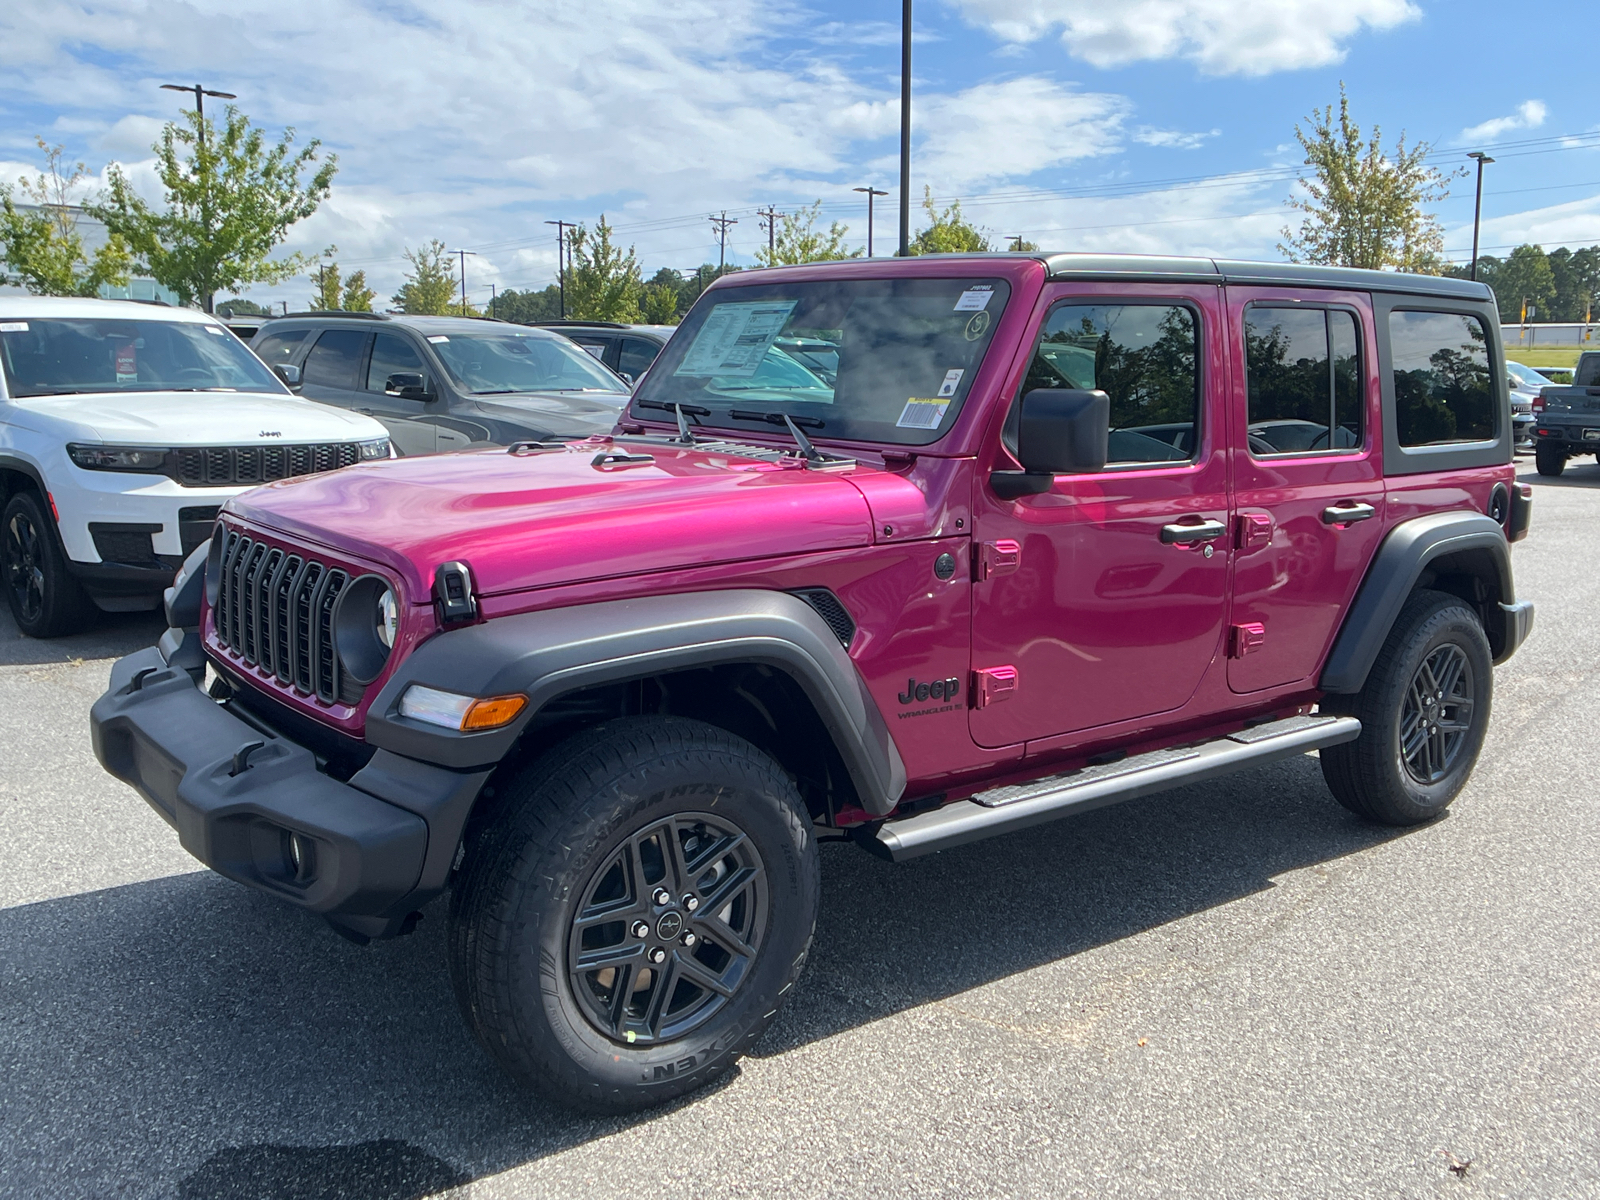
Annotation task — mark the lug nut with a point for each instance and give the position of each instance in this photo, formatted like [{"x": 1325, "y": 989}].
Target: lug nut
[
  {"x": 689, "y": 938},
  {"x": 658, "y": 956},
  {"x": 662, "y": 896},
  {"x": 691, "y": 902},
  {"x": 640, "y": 929}
]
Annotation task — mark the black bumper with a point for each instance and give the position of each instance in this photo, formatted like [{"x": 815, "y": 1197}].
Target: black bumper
[
  {"x": 369, "y": 851},
  {"x": 1574, "y": 438}
]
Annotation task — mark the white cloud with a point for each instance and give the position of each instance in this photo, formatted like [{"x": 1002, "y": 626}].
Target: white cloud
[
  {"x": 1530, "y": 114},
  {"x": 1172, "y": 139},
  {"x": 1225, "y": 37}
]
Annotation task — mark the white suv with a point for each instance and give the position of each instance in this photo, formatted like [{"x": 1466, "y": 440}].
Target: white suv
[{"x": 123, "y": 428}]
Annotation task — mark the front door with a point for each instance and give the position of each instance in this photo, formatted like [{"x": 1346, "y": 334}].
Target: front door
[
  {"x": 410, "y": 422},
  {"x": 1104, "y": 599},
  {"x": 1307, "y": 473}
]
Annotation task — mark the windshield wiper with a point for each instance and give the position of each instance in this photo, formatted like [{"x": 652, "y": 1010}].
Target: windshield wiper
[
  {"x": 683, "y": 412},
  {"x": 807, "y": 451}
]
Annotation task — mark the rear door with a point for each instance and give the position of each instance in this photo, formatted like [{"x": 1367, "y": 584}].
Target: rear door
[
  {"x": 1104, "y": 599},
  {"x": 1308, "y": 475}
]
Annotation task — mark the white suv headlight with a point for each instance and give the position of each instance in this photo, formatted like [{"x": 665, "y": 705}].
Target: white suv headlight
[{"x": 376, "y": 448}]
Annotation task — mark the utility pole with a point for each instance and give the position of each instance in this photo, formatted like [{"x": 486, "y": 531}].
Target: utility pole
[
  {"x": 722, "y": 224},
  {"x": 561, "y": 260},
  {"x": 200, "y": 94},
  {"x": 1477, "y": 208},
  {"x": 1017, "y": 239},
  {"x": 494, "y": 298},
  {"x": 871, "y": 192},
  {"x": 463, "y": 254},
  {"x": 905, "y": 128},
  {"x": 769, "y": 217}
]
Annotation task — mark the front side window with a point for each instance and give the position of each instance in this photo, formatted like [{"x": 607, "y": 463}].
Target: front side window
[
  {"x": 1145, "y": 357},
  {"x": 391, "y": 355},
  {"x": 1443, "y": 391},
  {"x": 497, "y": 364},
  {"x": 1303, "y": 378},
  {"x": 335, "y": 361},
  {"x": 636, "y": 356},
  {"x": 67, "y": 356},
  {"x": 279, "y": 347},
  {"x": 873, "y": 360}
]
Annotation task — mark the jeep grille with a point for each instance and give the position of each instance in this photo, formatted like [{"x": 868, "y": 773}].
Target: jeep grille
[
  {"x": 275, "y": 611},
  {"x": 220, "y": 466}
]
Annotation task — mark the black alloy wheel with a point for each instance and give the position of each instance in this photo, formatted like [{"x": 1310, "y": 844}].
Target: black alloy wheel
[
  {"x": 45, "y": 599},
  {"x": 24, "y": 568},
  {"x": 668, "y": 929},
  {"x": 1437, "y": 715}
]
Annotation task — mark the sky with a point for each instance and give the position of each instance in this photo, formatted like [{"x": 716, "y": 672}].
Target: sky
[{"x": 1152, "y": 126}]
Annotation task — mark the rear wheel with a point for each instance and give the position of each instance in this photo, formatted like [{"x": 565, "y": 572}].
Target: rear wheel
[
  {"x": 1424, "y": 711},
  {"x": 45, "y": 599},
  {"x": 1548, "y": 459},
  {"x": 630, "y": 921}
]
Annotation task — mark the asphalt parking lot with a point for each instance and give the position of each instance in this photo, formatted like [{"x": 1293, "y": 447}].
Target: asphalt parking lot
[{"x": 1236, "y": 989}]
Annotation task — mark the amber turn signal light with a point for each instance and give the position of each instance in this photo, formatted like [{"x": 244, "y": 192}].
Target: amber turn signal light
[{"x": 492, "y": 712}]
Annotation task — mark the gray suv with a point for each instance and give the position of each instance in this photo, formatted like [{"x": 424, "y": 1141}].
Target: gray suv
[{"x": 445, "y": 383}]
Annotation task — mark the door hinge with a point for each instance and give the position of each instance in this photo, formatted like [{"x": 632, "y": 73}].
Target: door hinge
[
  {"x": 1252, "y": 635},
  {"x": 993, "y": 684},
  {"x": 998, "y": 558}
]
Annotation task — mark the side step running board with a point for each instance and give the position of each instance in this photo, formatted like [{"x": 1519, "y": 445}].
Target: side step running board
[{"x": 1006, "y": 809}]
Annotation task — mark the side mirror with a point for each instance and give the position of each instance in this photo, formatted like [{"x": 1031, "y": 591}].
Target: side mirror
[
  {"x": 1062, "y": 431},
  {"x": 408, "y": 385},
  {"x": 289, "y": 373}
]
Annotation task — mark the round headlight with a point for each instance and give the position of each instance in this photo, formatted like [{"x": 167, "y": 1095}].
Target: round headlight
[{"x": 388, "y": 618}]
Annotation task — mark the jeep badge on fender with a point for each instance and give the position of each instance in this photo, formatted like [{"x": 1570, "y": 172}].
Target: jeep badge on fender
[{"x": 666, "y": 683}]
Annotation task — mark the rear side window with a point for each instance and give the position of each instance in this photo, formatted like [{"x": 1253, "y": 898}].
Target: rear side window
[
  {"x": 1443, "y": 391},
  {"x": 1145, "y": 357},
  {"x": 279, "y": 347},
  {"x": 335, "y": 361},
  {"x": 1303, "y": 374},
  {"x": 392, "y": 355}
]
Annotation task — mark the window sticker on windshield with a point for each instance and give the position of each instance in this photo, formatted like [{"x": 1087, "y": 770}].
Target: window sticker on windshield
[
  {"x": 13, "y": 327},
  {"x": 437, "y": 338},
  {"x": 952, "y": 380},
  {"x": 216, "y": 329},
  {"x": 127, "y": 363},
  {"x": 975, "y": 299},
  {"x": 922, "y": 414},
  {"x": 735, "y": 338}
]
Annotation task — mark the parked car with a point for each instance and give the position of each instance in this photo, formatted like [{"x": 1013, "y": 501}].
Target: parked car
[
  {"x": 626, "y": 349},
  {"x": 123, "y": 429},
  {"x": 610, "y": 694},
  {"x": 1525, "y": 384},
  {"x": 445, "y": 383},
  {"x": 1568, "y": 418}
]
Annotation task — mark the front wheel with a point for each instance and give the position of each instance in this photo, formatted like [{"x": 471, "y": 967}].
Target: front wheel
[
  {"x": 1424, "y": 710},
  {"x": 45, "y": 599},
  {"x": 628, "y": 923},
  {"x": 1548, "y": 459}
]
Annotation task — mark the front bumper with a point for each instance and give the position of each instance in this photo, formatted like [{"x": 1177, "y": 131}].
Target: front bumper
[{"x": 369, "y": 851}]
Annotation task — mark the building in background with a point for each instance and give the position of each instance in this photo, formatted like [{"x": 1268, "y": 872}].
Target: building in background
[{"x": 93, "y": 233}]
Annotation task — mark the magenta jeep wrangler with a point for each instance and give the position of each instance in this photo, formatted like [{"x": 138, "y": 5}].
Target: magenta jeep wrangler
[{"x": 917, "y": 550}]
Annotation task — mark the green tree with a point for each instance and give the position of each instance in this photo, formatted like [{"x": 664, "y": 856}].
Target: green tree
[
  {"x": 798, "y": 240},
  {"x": 1525, "y": 277},
  {"x": 242, "y": 308},
  {"x": 1364, "y": 208},
  {"x": 1577, "y": 279},
  {"x": 43, "y": 249},
  {"x": 429, "y": 287},
  {"x": 229, "y": 202},
  {"x": 325, "y": 296},
  {"x": 660, "y": 304},
  {"x": 530, "y": 307},
  {"x": 358, "y": 297},
  {"x": 1021, "y": 245},
  {"x": 603, "y": 283},
  {"x": 948, "y": 232}
]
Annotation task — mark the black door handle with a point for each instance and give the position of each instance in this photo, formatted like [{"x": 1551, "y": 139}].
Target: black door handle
[
  {"x": 1188, "y": 535},
  {"x": 1347, "y": 514}
]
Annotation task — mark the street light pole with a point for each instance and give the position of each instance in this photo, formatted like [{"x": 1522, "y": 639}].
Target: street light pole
[
  {"x": 871, "y": 192},
  {"x": 1477, "y": 208},
  {"x": 905, "y": 128},
  {"x": 561, "y": 261},
  {"x": 200, "y": 94}
]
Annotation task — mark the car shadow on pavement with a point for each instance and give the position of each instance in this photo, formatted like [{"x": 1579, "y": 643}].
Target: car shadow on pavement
[
  {"x": 187, "y": 1033},
  {"x": 110, "y": 635}
]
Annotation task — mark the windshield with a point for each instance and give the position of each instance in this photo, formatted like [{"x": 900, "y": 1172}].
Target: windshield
[
  {"x": 65, "y": 356},
  {"x": 876, "y": 360},
  {"x": 497, "y": 362}
]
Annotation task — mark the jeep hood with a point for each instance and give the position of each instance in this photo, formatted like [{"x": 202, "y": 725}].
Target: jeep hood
[
  {"x": 562, "y": 516},
  {"x": 195, "y": 419}
]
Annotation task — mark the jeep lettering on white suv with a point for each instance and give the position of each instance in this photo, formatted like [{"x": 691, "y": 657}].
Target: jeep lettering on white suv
[{"x": 123, "y": 429}]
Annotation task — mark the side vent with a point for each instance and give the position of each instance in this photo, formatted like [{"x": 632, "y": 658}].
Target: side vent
[{"x": 830, "y": 609}]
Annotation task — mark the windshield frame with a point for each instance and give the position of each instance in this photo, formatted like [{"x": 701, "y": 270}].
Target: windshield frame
[
  {"x": 564, "y": 346},
  {"x": 1004, "y": 278},
  {"x": 258, "y": 377}
]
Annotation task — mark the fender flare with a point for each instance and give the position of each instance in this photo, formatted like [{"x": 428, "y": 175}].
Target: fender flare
[
  {"x": 1399, "y": 563},
  {"x": 550, "y": 653}
]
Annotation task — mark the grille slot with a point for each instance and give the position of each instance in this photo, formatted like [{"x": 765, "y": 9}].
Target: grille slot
[
  {"x": 275, "y": 611},
  {"x": 224, "y": 466}
]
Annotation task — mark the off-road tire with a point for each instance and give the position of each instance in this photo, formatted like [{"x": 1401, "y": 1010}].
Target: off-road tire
[
  {"x": 46, "y": 601},
  {"x": 1549, "y": 460},
  {"x": 534, "y": 862},
  {"x": 1370, "y": 775}
]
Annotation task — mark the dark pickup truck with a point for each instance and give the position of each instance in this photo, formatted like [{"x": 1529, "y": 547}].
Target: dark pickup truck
[{"x": 1569, "y": 418}]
